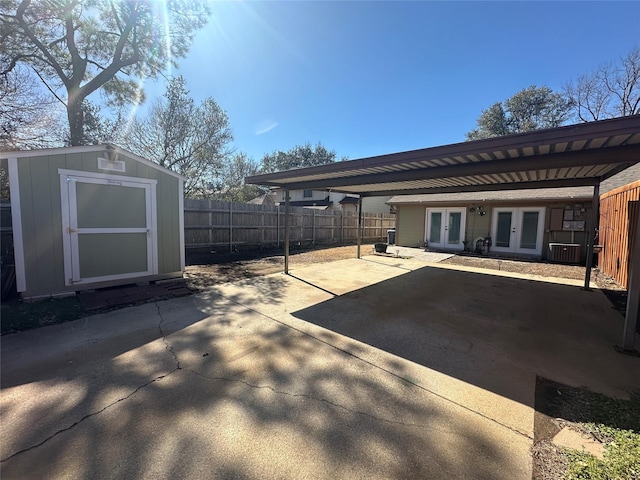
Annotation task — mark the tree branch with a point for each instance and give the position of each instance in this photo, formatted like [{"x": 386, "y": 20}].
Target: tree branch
[{"x": 27, "y": 30}]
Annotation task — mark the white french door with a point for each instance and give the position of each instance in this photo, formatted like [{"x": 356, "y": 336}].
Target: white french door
[
  {"x": 445, "y": 228},
  {"x": 109, "y": 227},
  {"x": 518, "y": 230}
]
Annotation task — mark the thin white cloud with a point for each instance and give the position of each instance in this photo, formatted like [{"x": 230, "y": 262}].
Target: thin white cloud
[{"x": 266, "y": 126}]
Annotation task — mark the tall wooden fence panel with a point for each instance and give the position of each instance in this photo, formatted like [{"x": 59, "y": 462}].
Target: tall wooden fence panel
[
  {"x": 235, "y": 226},
  {"x": 619, "y": 211}
]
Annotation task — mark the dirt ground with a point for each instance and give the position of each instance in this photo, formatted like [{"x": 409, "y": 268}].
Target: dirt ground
[{"x": 204, "y": 269}]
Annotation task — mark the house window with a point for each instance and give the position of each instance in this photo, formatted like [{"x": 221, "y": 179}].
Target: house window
[{"x": 307, "y": 194}]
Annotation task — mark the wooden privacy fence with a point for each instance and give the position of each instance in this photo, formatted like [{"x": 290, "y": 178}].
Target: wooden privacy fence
[
  {"x": 619, "y": 210},
  {"x": 211, "y": 223}
]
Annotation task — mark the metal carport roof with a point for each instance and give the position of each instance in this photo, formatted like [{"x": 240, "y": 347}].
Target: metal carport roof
[{"x": 570, "y": 156}]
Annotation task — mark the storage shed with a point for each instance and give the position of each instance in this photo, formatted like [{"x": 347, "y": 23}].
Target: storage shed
[{"x": 91, "y": 217}]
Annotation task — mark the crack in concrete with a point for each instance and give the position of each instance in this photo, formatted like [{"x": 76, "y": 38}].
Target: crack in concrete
[
  {"x": 89, "y": 415},
  {"x": 347, "y": 352},
  {"x": 167, "y": 346},
  {"x": 310, "y": 397}
]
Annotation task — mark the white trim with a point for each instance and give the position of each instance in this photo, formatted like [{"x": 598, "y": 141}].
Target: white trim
[
  {"x": 181, "y": 223},
  {"x": 152, "y": 228},
  {"x": 112, "y": 166},
  {"x": 516, "y": 230},
  {"x": 107, "y": 278},
  {"x": 88, "y": 176},
  {"x": 66, "y": 224},
  {"x": 16, "y": 222},
  {"x": 70, "y": 220},
  {"x": 87, "y": 149},
  {"x": 110, "y": 230},
  {"x": 444, "y": 226}
]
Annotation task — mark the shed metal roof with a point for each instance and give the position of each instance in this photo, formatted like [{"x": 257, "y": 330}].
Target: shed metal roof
[
  {"x": 103, "y": 147},
  {"x": 570, "y": 156}
]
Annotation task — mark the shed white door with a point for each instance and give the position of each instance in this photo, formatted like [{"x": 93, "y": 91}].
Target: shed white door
[
  {"x": 518, "y": 230},
  {"x": 109, "y": 227},
  {"x": 445, "y": 228}
]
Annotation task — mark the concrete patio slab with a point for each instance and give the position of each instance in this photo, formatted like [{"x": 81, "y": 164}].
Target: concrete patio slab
[{"x": 349, "y": 369}]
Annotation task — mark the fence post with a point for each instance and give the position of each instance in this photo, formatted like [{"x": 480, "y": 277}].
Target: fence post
[
  {"x": 231, "y": 227},
  {"x": 313, "y": 228},
  {"x": 262, "y": 229},
  {"x": 210, "y": 224},
  {"x": 287, "y": 221},
  {"x": 359, "y": 232},
  {"x": 633, "y": 284},
  {"x": 278, "y": 226},
  {"x": 341, "y": 227},
  {"x": 591, "y": 234},
  {"x": 333, "y": 227}
]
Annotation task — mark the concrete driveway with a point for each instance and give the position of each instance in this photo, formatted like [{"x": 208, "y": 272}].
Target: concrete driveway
[{"x": 374, "y": 368}]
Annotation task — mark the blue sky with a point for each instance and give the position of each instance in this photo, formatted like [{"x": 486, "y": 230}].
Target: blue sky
[{"x": 369, "y": 78}]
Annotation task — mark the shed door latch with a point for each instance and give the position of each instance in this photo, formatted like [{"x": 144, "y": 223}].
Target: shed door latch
[{"x": 71, "y": 230}]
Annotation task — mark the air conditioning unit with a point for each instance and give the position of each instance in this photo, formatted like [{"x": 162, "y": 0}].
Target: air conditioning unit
[{"x": 564, "y": 252}]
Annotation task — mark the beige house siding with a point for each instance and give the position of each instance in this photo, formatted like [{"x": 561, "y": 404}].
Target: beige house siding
[{"x": 410, "y": 225}]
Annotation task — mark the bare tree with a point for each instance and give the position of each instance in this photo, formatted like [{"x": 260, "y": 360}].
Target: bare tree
[
  {"x": 28, "y": 117},
  {"x": 230, "y": 183},
  {"x": 192, "y": 140},
  {"x": 612, "y": 90}
]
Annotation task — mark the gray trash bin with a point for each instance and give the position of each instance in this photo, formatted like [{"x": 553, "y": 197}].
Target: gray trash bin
[{"x": 391, "y": 236}]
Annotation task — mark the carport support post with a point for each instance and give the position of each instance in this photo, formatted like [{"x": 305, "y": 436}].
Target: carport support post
[
  {"x": 359, "y": 234},
  {"x": 591, "y": 233},
  {"x": 286, "y": 232},
  {"x": 633, "y": 291}
]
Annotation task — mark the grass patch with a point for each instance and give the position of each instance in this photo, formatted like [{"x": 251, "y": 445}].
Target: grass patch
[
  {"x": 616, "y": 424},
  {"x": 18, "y": 316},
  {"x": 621, "y": 457},
  {"x": 613, "y": 422}
]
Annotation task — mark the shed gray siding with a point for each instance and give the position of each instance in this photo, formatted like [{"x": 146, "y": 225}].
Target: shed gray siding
[{"x": 41, "y": 214}]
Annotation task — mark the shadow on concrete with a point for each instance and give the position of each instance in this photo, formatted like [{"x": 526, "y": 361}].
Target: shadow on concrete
[
  {"x": 487, "y": 330},
  {"x": 221, "y": 393}
]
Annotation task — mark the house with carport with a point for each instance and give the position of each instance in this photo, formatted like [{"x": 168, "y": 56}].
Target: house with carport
[{"x": 548, "y": 223}]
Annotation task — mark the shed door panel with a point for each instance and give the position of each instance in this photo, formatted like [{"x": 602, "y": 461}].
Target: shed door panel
[
  {"x": 111, "y": 229},
  {"x": 110, "y": 206}
]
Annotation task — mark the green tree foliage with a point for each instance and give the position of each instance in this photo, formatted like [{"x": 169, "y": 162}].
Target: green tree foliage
[
  {"x": 612, "y": 90},
  {"x": 297, "y": 157},
  {"x": 97, "y": 129},
  {"x": 190, "y": 139},
  {"x": 80, "y": 46},
  {"x": 532, "y": 108}
]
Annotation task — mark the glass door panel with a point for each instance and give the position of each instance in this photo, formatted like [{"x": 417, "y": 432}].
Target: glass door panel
[
  {"x": 435, "y": 228},
  {"x": 503, "y": 231},
  {"x": 455, "y": 226},
  {"x": 529, "y": 231}
]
